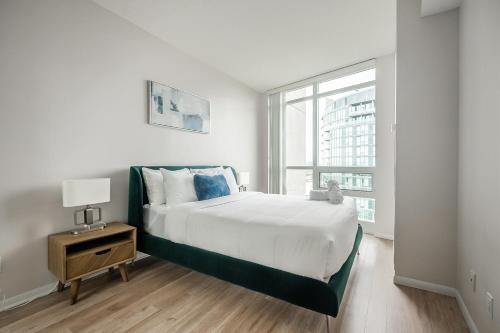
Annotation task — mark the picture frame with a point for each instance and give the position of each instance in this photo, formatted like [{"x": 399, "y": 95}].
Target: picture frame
[{"x": 174, "y": 108}]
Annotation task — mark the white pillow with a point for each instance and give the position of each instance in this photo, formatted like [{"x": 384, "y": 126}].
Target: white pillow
[
  {"x": 178, "y": 186},
  {"x": 154, "y": 185},
  {"x": 230, "y": 180},
  {"x": 207, "y": 171}
]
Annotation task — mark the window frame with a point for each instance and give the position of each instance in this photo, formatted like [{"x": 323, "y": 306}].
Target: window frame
[{"x": 317, "y": 169}]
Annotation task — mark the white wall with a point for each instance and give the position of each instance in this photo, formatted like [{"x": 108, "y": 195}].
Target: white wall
[
  {"x": 73, "y": 104},
  {"x": 479, "y": 180},
  {"x": 426, "y": 144},
  {"x": 384, "y": 170},
  {"x": 427, "y": 82}
]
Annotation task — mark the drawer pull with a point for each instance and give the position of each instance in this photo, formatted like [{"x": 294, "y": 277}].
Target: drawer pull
[{"x": 100, "y": 253}]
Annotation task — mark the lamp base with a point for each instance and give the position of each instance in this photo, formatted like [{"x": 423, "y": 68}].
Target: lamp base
[{"x": 88, "y": 227}]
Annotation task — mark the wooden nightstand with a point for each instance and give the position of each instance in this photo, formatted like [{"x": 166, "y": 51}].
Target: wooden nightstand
[{"x": 73, "y": 256}]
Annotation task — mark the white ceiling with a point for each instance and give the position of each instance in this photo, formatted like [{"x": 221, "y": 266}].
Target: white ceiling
[{"x": 268, "y": 43}]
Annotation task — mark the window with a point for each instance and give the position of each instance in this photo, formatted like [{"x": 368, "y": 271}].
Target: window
[
  {"x": 299, "y": 93},
  {"x": 348, "y": 181},
  {"x": 299, "y": 181},
  {"x": 366, "y": 209},
  {"x": 329, "y": 133},
  {"x": 347, "y": 81},
  {"x": 298, "y": 132}
]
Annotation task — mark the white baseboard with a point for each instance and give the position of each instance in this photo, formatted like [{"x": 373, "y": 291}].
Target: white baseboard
[
  {"x": 439, "y": 289},
  {"x": 423, "y": 285},
  {"x": 384, "y": 236},
  {"x": 468, "y": 318},
  {"x": 28, "y": 296},
  {"x": 33, "y": 294}
]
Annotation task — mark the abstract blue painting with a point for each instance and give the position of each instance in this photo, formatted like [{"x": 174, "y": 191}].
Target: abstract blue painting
[{"x": 178, "y": 109}]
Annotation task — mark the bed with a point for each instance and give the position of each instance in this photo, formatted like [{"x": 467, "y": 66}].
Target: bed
[{"x": 235, "y": 239}]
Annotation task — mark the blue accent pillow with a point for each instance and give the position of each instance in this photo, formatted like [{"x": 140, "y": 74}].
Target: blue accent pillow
[{"x": 209, "y": 187}]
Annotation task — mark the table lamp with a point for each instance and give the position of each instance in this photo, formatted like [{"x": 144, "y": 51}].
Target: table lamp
[
  {"x": 86, "y": 192},
  {"x": 243, "y": 180}
]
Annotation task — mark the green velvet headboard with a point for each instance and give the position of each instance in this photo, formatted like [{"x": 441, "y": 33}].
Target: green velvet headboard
[{"x": 137, "y": 195}]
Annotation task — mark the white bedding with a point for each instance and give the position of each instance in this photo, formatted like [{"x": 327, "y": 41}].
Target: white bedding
[{"x": 293, "y": 234}]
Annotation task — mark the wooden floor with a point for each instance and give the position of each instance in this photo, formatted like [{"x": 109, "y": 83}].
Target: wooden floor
[{"x": 163, "y": 297}]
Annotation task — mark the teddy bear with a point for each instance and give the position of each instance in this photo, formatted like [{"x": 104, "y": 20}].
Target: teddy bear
[{"x": 334, "y": 193}]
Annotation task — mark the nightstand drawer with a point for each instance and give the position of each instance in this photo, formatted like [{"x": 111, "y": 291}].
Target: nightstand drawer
[{"x": 87, "y": 261}]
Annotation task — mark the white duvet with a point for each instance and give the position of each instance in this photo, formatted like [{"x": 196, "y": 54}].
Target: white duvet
[{"x": 293, "y": 234}]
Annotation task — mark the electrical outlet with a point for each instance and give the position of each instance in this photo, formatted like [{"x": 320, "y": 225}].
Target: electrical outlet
[
  {"x": 472, "y": 280},
  {"x": 490, "y": 302}
]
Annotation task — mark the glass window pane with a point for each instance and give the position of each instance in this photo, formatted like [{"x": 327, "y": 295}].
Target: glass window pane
[
  {"x": 366, "y": 209},
  {"x": 347, "y": 81},
  {"x": 299, "y": 93},
  {"x": 298, "y": 182},
  {"x": 346, "y": 129},
  {"x": 299, "y": 134},
  {"x": 348, "y": 181}
]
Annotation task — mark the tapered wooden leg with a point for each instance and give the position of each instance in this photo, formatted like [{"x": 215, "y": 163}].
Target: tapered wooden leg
[
  {"x": 75, "y": 288},
  {"x": 123, "y": 272},
  {"x": 327, "y": 324},
  {"x": 60, "y": 286}
]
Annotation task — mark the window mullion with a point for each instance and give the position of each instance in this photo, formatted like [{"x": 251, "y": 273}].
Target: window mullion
[
  {"x": 283, "y": 143},
  {"x": 315, "y": 137}
]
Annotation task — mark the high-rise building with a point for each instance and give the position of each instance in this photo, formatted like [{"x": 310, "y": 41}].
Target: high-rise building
[
  {"x": 347, "y": 130},
  {"x": 347, "y": 139}
]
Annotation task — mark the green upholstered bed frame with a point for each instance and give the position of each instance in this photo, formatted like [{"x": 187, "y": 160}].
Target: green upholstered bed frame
[{"x": 303, "y": 291}]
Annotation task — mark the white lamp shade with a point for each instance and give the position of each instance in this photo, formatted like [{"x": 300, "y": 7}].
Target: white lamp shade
[
  {"x": 244, "y": 178},
  {"x": 80, "y": 192}
]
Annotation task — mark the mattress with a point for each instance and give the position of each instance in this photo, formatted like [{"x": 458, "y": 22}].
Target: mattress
[{"x": 293, "y": 234}]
